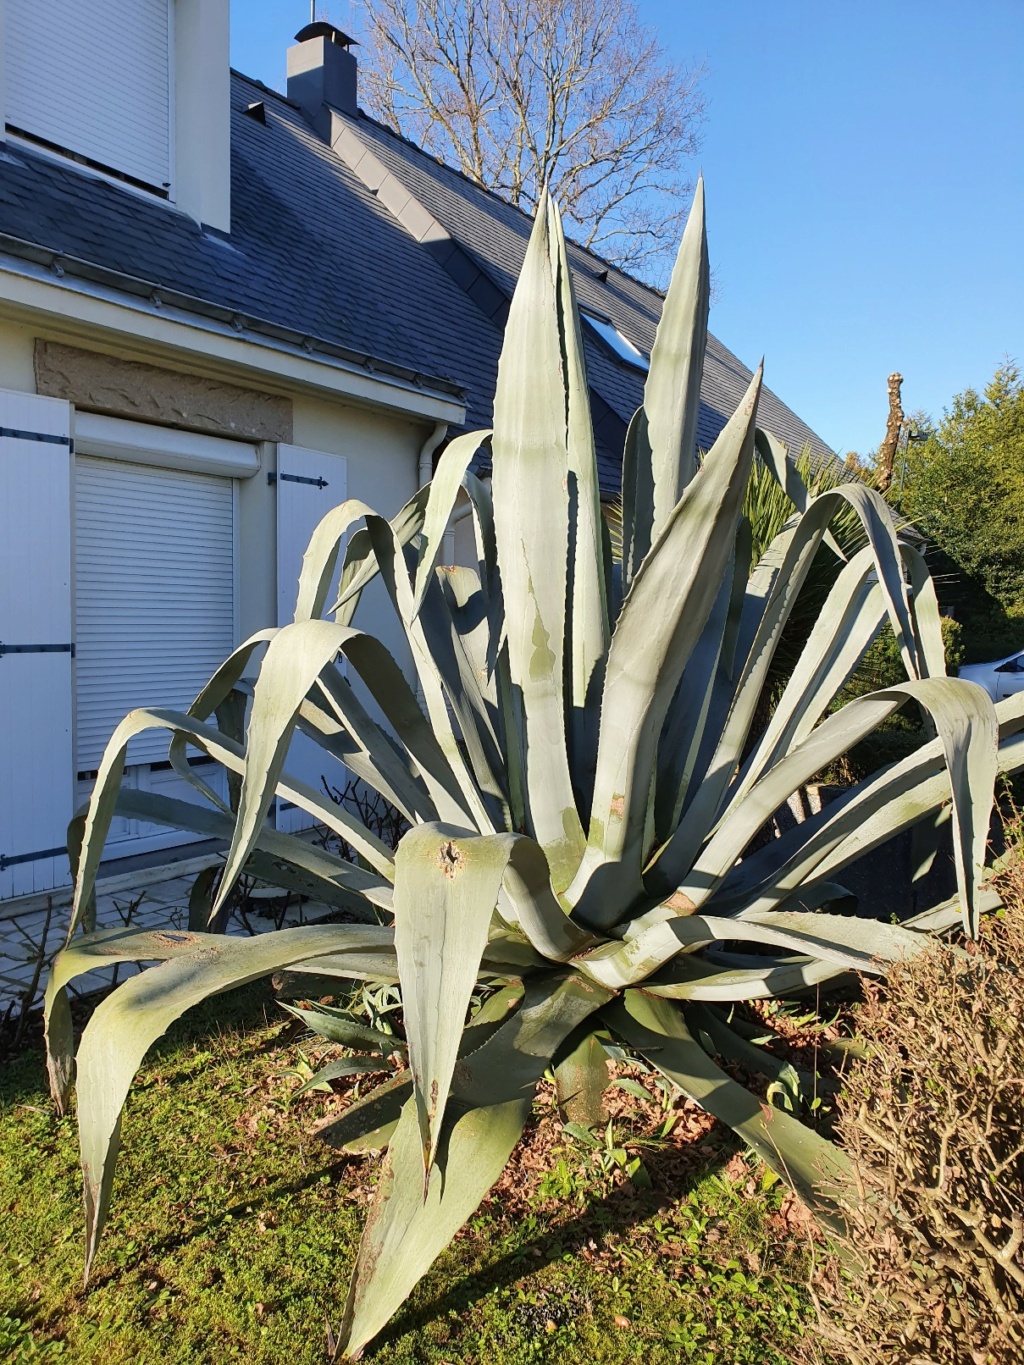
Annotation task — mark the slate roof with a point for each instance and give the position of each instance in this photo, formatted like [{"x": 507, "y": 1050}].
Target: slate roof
[
  {"x": 310, "y": 250},
  {"x": 313, "y": 251}
]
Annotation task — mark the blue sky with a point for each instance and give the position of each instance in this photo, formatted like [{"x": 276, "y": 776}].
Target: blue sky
[{"x": 865, "y": 182}]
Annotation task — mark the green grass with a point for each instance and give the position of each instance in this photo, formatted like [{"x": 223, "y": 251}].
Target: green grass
[{"x": 233, "y": 1232}]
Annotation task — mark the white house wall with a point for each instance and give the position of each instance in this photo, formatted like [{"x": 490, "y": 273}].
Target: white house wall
[{"x": 16, "y": 350}]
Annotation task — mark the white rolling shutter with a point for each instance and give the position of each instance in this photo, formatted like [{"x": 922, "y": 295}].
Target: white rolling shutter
[
  {"x": 309, "y": 484},
  {"x": 36, "y": 775},
  {"x": 94, "y": 79},
  {"x": 154, "y": 595}
]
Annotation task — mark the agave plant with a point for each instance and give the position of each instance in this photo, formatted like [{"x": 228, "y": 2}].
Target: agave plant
[{"x": 582, "y": 783}]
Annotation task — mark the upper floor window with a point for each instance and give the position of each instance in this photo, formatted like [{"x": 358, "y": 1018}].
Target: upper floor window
[
  {"x": 94, "y": 81},
  {"x": 620, "y": 344}
]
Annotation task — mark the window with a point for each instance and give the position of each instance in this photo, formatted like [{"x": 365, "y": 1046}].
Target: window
[
  {"x": 621, "y": 345},
  {"x": 93, "y": 81}
]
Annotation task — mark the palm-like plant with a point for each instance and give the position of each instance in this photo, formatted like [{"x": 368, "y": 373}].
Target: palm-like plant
[{"x": 583, "y": 784}]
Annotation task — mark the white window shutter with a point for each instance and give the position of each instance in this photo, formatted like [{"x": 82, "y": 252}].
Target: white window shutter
[
  {"x": 94, "y": 79},
  {"x": 36, "y": 772},
  {"x": 309, "y": 483}
]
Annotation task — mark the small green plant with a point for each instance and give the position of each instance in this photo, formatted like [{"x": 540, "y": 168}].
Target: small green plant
[
  {"x": 610, "y": 1157},
  {"x": 587, "y": 786}
]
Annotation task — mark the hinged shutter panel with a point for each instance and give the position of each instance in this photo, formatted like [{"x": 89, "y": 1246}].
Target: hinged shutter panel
[
  {"x": 154, "y": 595},
  {"x": 94, "y": 79},
  {"x": 36, "y": 776},
  {"x": 309, "y": 484}
]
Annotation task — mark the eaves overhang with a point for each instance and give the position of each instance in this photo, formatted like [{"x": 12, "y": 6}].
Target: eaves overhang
[{"x": 36, "y": 279}]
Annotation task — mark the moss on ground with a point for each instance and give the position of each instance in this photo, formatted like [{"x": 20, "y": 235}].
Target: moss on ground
[{"x": 233, "y": 1231}]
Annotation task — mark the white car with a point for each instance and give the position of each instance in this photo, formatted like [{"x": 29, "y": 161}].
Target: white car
[{"x": 1000, "y": 679}]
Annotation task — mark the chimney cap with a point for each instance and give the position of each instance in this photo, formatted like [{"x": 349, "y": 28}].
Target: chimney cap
[{"x": 322, "y": 29}]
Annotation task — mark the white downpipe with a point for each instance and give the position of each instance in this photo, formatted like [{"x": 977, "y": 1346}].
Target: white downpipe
[{"x": 426, "y": 465}]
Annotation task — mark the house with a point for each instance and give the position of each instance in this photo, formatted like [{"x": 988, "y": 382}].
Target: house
[{"x": 223, "y": 310}]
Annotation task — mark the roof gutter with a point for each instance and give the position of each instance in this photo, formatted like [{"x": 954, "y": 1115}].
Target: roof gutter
[{"x": 36, "y": 280}]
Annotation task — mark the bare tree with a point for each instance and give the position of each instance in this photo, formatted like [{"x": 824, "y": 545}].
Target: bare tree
[{"x": 574, "y": 93}]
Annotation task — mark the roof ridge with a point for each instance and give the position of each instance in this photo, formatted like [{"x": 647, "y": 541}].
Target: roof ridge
[{"x": 265, "y": 89}]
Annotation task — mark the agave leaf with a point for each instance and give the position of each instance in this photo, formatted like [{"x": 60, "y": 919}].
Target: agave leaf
[
  {"x": 732, "y": 977},
  {"x": 479, "y": 494},
  {"x": 927, "y": 619},
  {"x": 386, "y": 767},
  {"x": 360, "y": 567},
  {"x": 475, "y": 810},
  {"x": 295, "y": 658},
  {"x": 490, "y": 1016},
  {"x": 388, "y": 687},
  {"x": 88, "y": 954},
  {"x": 661, "y": 620},
  {"x": 967, "y": 724},
  {"x": 279, "y": 859},
  {"x": 961, "y": 765},
  {"x": 531, "y": 471},
  {"x": 200, "y": 899},
  {"x": 444, "y": 489},
  {"x": 840, "y": 939},
  {"x": 321, "y": 976},
  {"x": 688, "y": 712},
  {"x": 212, "y": 697},
  {"x": 446, "y": 888},
  {"x": 466, "y": 601},
  {"x": 405, "y": 1231},
  {"x": 925, "y": 842},
  {"x": 336, "y": 1071},
  {"x": 771, "y": 594},
  {"x": 465, "y": 696},
  {"x": 326, "y": 811},
  {"x": 734, "y": 1047},
  {"x": 778, "y": 461},
  {"x": 531, "y": 903},
  {"x": 502, "y": 957},
  {"x": 810, "y": 1164},
  {"x": 637, "y": 498},
  {"x": 337, "y": 1027},
  {"x": 105, "y": 797},
  {"x": 128, "y": 1021},
  {"x": 509, "y": 1064},
  {"x": 407, "y": 1227},
  {"x": 369, "y": 1122},
  {"x": 588, "y": 615},
  {"x": 846, "y": 625},
  {"x": 581, "y": 1078},
  {"x": 672, "y": 391},
  {"x": 948, "y": 913}
]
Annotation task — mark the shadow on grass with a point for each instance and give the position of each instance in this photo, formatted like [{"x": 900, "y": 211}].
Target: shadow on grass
[
  {"x": 23, "y": 1067},
  {"x": 616, "y": 1214}
]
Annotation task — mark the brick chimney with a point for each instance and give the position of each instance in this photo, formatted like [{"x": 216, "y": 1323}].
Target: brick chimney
[{"x": 322, "y": 71}]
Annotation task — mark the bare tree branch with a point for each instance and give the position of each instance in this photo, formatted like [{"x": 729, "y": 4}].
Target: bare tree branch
[{"x": 575, "y": 94}]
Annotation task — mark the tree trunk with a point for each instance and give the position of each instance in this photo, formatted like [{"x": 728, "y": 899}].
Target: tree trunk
[{"x": 893, "y": 427}]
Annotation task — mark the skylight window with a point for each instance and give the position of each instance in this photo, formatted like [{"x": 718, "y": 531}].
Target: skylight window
[{"x": 621, "y": 345}]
